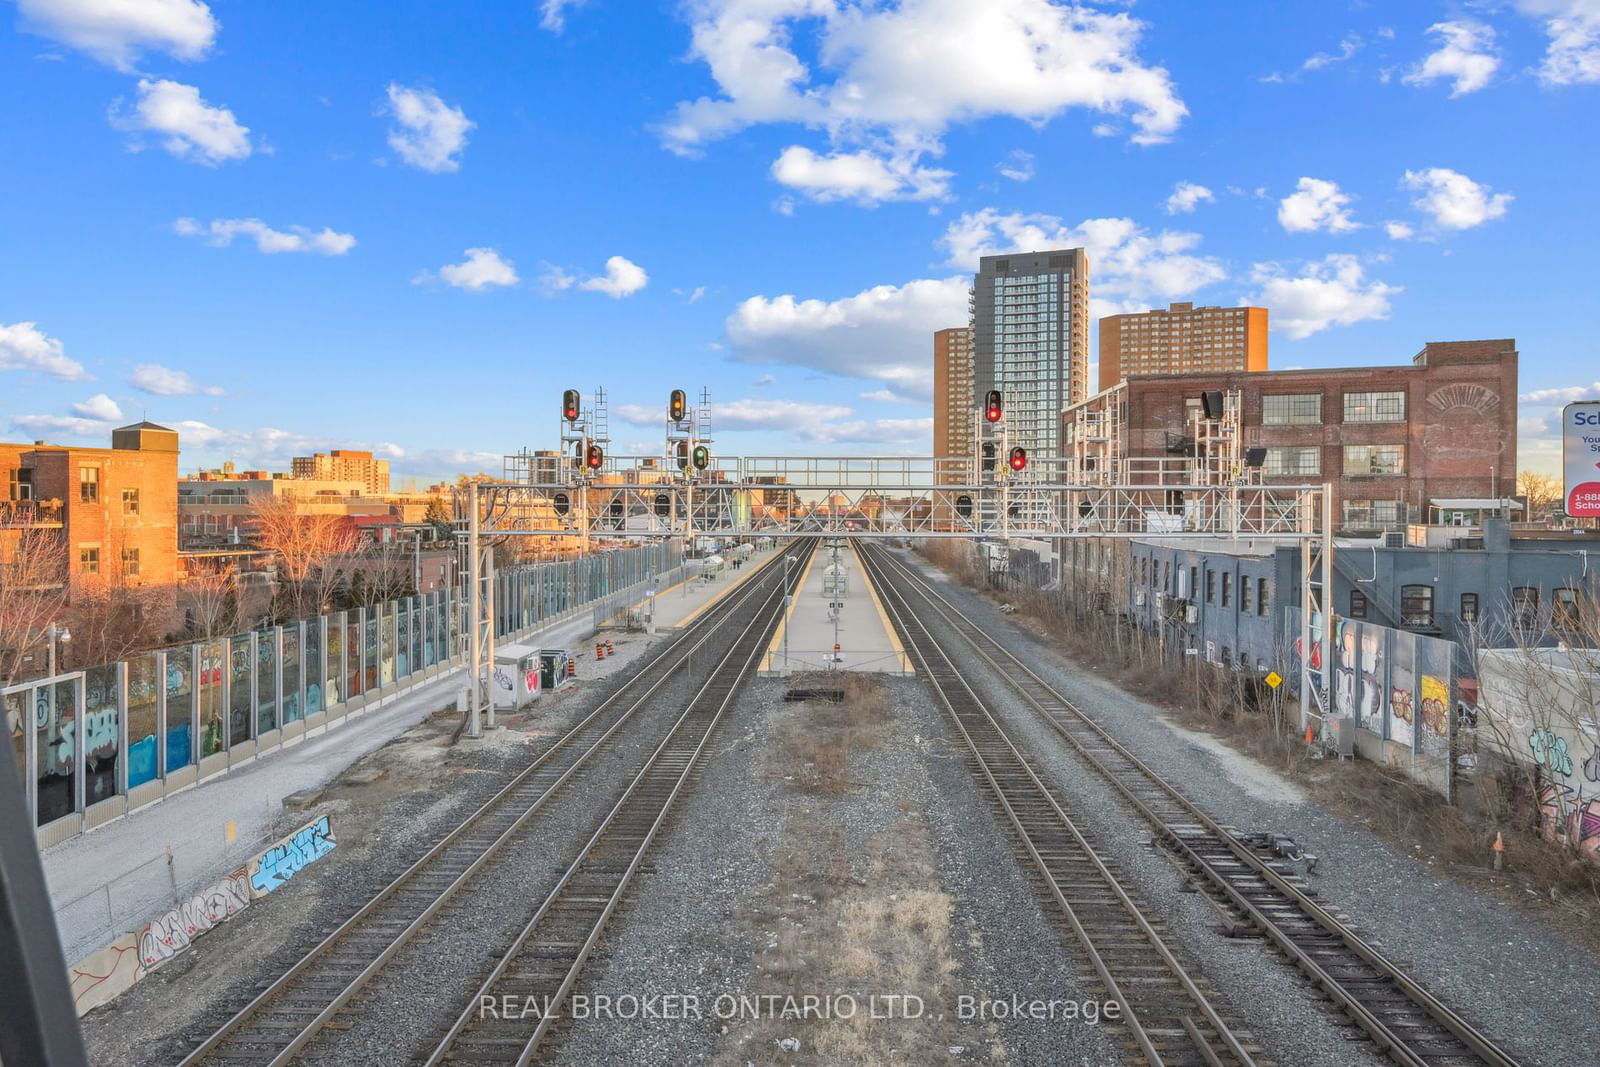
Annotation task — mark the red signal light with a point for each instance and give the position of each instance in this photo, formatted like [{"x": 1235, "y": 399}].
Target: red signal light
[
  {"x": 594, "y": 459},
  {"x": 991, "y": 406},
  {"x": 569, "y": 405},
  {"x": 1019, "y": 458}
]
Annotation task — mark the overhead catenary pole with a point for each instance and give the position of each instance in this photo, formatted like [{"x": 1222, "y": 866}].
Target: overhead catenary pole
[{"x": 474, "y": 635}]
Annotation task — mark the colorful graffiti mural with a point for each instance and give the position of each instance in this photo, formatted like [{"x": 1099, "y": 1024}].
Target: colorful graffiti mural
[
  {"x": 288, "y": 857},
  {"x": 102, "y": 976}
]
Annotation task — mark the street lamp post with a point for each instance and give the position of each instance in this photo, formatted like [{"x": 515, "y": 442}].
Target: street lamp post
[{"x": 55, "y": 633}]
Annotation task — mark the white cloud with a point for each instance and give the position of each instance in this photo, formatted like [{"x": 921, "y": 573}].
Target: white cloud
[
  {"x": 193, "y": 129},
  {"x": 43, "y": 427},
  {"x": 764, "y": 381},
  {"x": 1466, "y": 56},
  {"x": 1131, "y": 267},
  {"x": 553, "y": 13},
  {"x": 909, "y": 435},
  {"x": 482, "y": 269},
  {"x": 1347, "y": 48},
  {"x": 1316, "y": 205},
  {"x": 164, "y": 381},
  {"x": 1561, "y": 395},
  {"x": 880, "y": 333},
  {"x": 784, "y": 205},
  {"x": 221, "y": 232},
  {"x": 117, "y": 31},
  {"x": 1330, "y": 292},
  {"x": 698, "y": 294},
  {"x": 1018, "y": 166},
  {"x": 1573, "y": 27},
  {"x": 1398, "y": 231},
  {"x": 623, "y": 277},
  {"x": 862, "y": 176},
  {"x": 100, "y": 406},
  {"x": 1186, "y": 196},
  {"x": 431, "y": 133},
  {"x": 1453, "y": 200},
  {"x": 888, "y": 396},
  {"x": 869, "y": 84},
  {"x": 24, "y": 347}
]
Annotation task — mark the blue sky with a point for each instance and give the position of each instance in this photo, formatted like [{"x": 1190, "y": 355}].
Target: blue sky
[{"x": 409, "y": 226}]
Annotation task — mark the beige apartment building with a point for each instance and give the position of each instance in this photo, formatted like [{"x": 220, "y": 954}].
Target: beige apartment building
[
  {"x": 952, "y": 392},
  {"x": 1182, "y": 339},
  {"x": 343, "y": 465}
]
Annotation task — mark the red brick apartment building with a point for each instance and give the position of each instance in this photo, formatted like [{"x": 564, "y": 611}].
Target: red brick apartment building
[
  {"x": 1393, "y": 440},
  {"x": 115, "y": 508}
]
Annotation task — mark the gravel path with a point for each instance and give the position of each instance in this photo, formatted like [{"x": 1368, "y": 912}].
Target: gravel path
[
  {"x": 1513, "y": 974},
  {"x": 796, "y": 870}
]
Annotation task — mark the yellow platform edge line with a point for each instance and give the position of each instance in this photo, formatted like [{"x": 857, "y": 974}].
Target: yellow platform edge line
[
  {"x": 733, "y": 584},
  {"x": 794, "y": 602},
  {"x": 883, "y": 616}
]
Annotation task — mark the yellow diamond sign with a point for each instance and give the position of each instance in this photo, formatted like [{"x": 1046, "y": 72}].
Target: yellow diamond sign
[{"x": 1274, "y": 679}]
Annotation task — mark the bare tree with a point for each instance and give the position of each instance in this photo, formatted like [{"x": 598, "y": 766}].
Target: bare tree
[
  {"x": 1539, "y": 700},
  {"x": 111, "y": 615},
  {"x": 212, "y": 599},
  {"x": 385, "y": 571},
  {"x": 1540, "y": 490},
  {"x": 33, "y": 592},
  {"x": 309, "y": 549}
]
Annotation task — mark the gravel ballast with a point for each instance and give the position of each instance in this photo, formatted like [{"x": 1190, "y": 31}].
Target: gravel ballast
[{"x": 1501, "y": 967}]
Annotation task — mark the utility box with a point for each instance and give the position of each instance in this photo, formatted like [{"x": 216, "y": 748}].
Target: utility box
[
  {"x": 517, "y": 676},
  {"x": 555, "y": 668}
]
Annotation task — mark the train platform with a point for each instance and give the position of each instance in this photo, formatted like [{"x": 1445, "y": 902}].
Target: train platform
[
  {"x": 680, "y": 604},
  {"x": 836, "y": 621}
]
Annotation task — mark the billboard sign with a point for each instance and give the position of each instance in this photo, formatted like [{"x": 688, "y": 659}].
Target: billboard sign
[{"x": 1580, "y": 446}]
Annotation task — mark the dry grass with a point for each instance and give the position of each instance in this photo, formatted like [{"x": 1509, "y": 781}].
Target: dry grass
[
  {"x": 1456, "y": 838},
  {"x": 816, "y": 743}
]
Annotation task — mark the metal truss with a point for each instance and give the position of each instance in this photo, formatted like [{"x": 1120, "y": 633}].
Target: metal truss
[{"x": 554, "y": 495}]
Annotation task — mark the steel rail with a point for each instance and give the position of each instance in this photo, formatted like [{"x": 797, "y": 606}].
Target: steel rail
[
  {"x": 1139, "y": 1012},
  {"x": 286, "y": 1042},
  {"x": 656, "y": 787},
  {"x": 1420, "y": 1050}
]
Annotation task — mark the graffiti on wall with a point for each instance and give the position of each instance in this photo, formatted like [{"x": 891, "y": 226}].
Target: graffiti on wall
[
  {"x": 103, "y": 975},
  {"x": 168, "y": 934},
  {"x": 290, "y": 856}
]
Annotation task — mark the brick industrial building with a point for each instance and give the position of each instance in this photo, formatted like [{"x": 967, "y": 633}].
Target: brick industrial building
[
  {"x": 116, "y": 508},
  {"x": 1183, "y": 339},
  {"x": 1394, "y": 441}
]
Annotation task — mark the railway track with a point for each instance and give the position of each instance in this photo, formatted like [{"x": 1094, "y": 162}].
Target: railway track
[
  {"x": 1167, "y": 1009},
  {"x": 284, "y": 1018},
  {"x": 1405, "y": 1021},
  {"x": 515, "y": 1010}
]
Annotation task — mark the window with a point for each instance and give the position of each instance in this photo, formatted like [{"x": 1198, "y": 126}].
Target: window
[
  {"x": 1358, "y": 604},
  {"x": 89, "y": 559},
  {"x": 1211, "y": 586},
  {"x": 1263, "y": 596},
  {"x": 1375, "y": 407},
  {"x": 130, "y": 562},
  {"x": 1525, "y": 605},
  {"x": 1227, "y": 589},
  {"x": 1371, "y": 514},
  {"x": 1416, "y": 605},
  {"x": 1244, "y": 595},
  {"x": 1194, "y": 583},
  {"x": 88, "y": 484},
  {"x": 1469, "y": 607},
  {"x": 1364, "y": 460},
  {"x": 1291, "y": 409},
  {"x": 130, "y": 501},
  {"x": 1564, "y": 609},
  {"x": 1282, "y": 462},
  {"x": 14, "y": 484}
]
